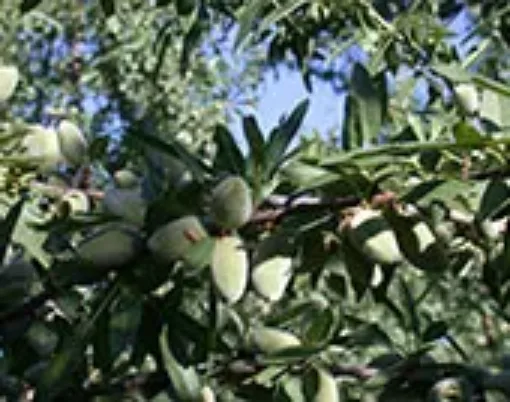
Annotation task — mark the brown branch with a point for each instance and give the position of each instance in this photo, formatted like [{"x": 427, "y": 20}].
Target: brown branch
[{"x": 279, "y": 207}]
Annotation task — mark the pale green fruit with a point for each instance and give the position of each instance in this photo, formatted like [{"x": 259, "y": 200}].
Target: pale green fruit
[
  {"x": 110, "y": 247},
  {"x": 271, "y": 277},
  {"x": 125, "y": 178},
  {"x": 207, "y": 394},
  {"x": 43, "y": 146},
  {"x": 72, "y": 142},
  {"x": 173, "y": 240},
  {"x": 127, "y": 204},
  {"x": 272, "y": 340},
  {"x": 9, "y": 78},
  {"x": 327, "y": 390},
  {"x": 231, "y": 203},
  {"x": 450, "y": 389},
  {"x": 467, "y": 96},
  {"x": 75, "y": 202},
  {"x": 369, "y": 232},
  {"x": 230, "y": 267}
]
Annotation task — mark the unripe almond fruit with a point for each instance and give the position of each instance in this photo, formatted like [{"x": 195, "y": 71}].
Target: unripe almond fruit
[
  {"x": 467, "y": 96},
  {"x": 230, "y": 267},
  {"x": 327, "y": 390},
  {"x": 42, "y": 144},
  {"x": 231, "y": 203},
  {"x": 207, "y": 394},
  {"x": 172, "y": 241},
  {"x": 75, "y": 202},
  {"x": 72, "y": 142},
  {"x": 271, "y": 277},
  {"x": 272, "y": 340},
  {"x": 370, "y": 233},
  {"x": 110, "y": 247},
  {"x": 127, "y": 204},
  {"x": 125, "y": 178},
  {"x": 9, "y": 78}
]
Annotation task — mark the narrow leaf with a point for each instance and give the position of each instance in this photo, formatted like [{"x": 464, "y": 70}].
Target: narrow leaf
[
  {"x": 185, "y": 381},
  {"x": 228, "y": 157},
  {"x": 7, "y": 226},
  {"x": 281, "y": 137}
]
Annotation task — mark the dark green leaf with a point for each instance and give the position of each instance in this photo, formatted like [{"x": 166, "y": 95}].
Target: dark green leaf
[
  {"x": 7, "y": 226},
  {"x": 228, "y": 157},
  {"x": 184, "y": 381},
  {"x": 465, "y": 133},
  {"x": 496, "y": 195},
  {"x": 108, "y": 7},
  {"x": 255, "y": 141},
  {"x": 453, "y": 72},
  {"x": 368, "y": 100},
  {"x": 173, "y": 148},
  {"x": 281, "y": 137},
  {"x": 27, "y": 5},
  {"x": 246, "y": 18},
  {"x": 434, "y": 331}
]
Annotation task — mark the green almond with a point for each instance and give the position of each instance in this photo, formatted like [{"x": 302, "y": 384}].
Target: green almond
[
  {"x": 272, "y": 340},
  {"x": 327, "y": 390},
  {"x": 72, "y": 142},
  {"x": 271, "y": 277},
  {"x": 75, "y": 202},
  {"x": 110, "y": 247},
  {"x": 173, "y": 240},
  {"x": 230, "y": 268},
  {"x": 43, "y": 146},
  {"x": 127, "y": 204},
  {"x": 207, "y": 394},
  {"x": 231, "y": 203},
  {"x": 371, "y": 234},
  {"x": 125, "y": 178},
  {"x": 9, "y": 78}
]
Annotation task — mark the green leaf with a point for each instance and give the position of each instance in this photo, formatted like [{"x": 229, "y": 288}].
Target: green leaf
[
  {"x": 8, "y": 225},
  {"x": 434, "y": 331},
  {"x": 453, "y": 72},
  {"x": 360, "y": 269},
  {"x": 305, "y": 176},
  {"x": 255, "y": 141},
  {"x": 71, "y": 353},
  {"x": 108, "y": 7},
  {"x": 351, "y": 132},
  {"x": 496, "y": 195},
  {"x": 246, "y": 18},
  {"x": 174, "y": 148},
  {"x": 493, "y": 85},
  {"x": 280, "y": 13},
  {"x": 228, "y": 157},
  {"x": 465, "y": 133},
  {"x": 192, "y": 38},
  {"x": 320, "y": 327},
  {"x": 281, "y": 137},
  {"x": 27, "y": 5},
  {"x": 368, "y": 103},
  {"x": 185, "y": 381},
  {"x": 452, "y": 193},
  {"x": 410, "y": 307}
]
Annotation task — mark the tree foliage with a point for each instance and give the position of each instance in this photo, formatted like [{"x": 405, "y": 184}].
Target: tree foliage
[{"x": 146, "y": 255}]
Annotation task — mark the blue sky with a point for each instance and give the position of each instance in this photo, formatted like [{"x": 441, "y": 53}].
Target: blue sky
[{"x": 281, "y": 92}]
